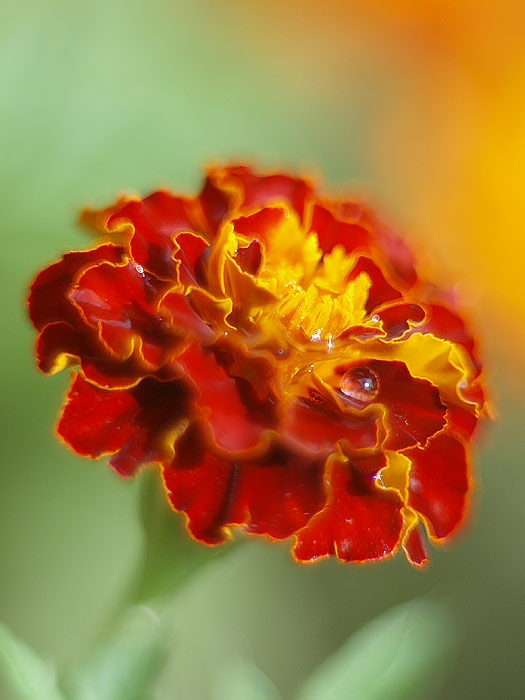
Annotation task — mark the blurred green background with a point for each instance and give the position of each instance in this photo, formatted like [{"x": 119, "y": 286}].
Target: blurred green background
[{"x": 100, "y": 97}]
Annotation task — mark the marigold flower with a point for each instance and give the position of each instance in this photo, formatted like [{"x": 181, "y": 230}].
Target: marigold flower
[{"x": 275, "y": 353}]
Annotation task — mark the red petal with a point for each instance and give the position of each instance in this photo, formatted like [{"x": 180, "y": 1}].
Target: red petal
[
  {"x": 279, "y": 494},
  {"x": 380, "y": 290},
  {"x": 414, "y": 410},
  {"x": 415, "y": 548},
  {"x": 262, "y": 190},
  {"x": 135, "y": 424},
  {"x": 219, "y": 399},
  {"x": 121, "y": 300},
  {"x": 317, "y": 427},
  {"x": 462, "y": 422},
  {"x": 185, "y": 318},
  {"x": 331, "y": 231},
  {"x": 439, "y": 483},
  {"x": 214, "y": 204},
  {"x": 360, "y": 522},
  {"x": 81, "y": 345},
  {"x": 47, "y": 299},
  {"x": 395, "y": 319},
  {"x": 275, "y": 496},
  {"x": 155, "y": 220},
  {"x": 202, "y": 486}
]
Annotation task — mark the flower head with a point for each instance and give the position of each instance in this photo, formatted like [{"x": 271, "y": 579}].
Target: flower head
[{"x": 276, "y": 354}]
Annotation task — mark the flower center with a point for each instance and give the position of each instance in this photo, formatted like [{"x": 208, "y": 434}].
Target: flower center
[{"x": 360, "y": 384}]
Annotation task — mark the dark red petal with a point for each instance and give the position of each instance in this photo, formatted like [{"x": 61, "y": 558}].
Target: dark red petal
[
  {"x": 462, "y": 422},
  {"x": 262, "y": 190},
  {"x": 214, "y": 204},
  {"x": 380, "y": 291},
  {"x": 274, "y": 496},
  {"x": 190, "y": 248},
  {"x": 155, "y": 220},
  {"x": 331, "y": 231},
  {"x": 439, "y": 483},
  {"x": 415, "y": 548},
  {"x": 219, "y": 400},
  {"x": 360, "y": 522},
  {"x": 134, "y": 425},
  {"x": 414, "y": 410},
  {"x": 317, "y": 427},
  {"x": 47, "y": 299},
  {"x": 277, "y": 495},
  {"x": 249, "y": 258},
  {"x": 395, "y": 319},
  {"x": 121, "y": 300},
  {"x": 261, "y": 225},
  {"x": 202, "y": 486},
  {"x": 60, "y": 344}
]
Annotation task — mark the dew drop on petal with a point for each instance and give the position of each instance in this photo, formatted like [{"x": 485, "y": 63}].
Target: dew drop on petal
[{"x": 360, "y": 384}]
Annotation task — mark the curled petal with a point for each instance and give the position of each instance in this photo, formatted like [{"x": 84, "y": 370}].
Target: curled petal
[
  {"x": 359, "y": 522},
  {"x": 153, "y": 222},
  {"x": 61, "y": 345},
  {"x": 121, "y": 301},
  {"x": 414, "y": 410},
  {"x": 48, "y": 300},
  {"x": 136, "y": 426},
  {"x": 332, "y": 232},
  {"x": 439, "y": 483},
  {"x": 255, "y": 190}
]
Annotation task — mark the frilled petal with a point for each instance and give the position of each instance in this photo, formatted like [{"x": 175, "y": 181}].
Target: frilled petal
[
  {"x": 332, "y": 231},
  {"x": 61, "y": 345},
  {"x": 253, "y": 190},
  {"x": 48, "y": 301},
  {"x": 445, "y": 323},
  {"x": 121, "y": 302},
  {"x": 360, "y": 522},
  {"x": 219, "y": 401},
  {"x": 152, "y": 224},
  {"x": 439, "y": 483},
  {"x": 397, "y": 319},
  {"x": 136, "y": 426},
  {"x": 414, "y": 410},
  {"x": 275, "y": 495}
]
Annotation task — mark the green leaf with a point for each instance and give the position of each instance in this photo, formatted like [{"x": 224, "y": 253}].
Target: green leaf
[
  {"x": 241, "y": 679},
  {"x": 391, "y": 658},
  {"x": 23, "y": 674},
  {"x": 125, "y": 666}
]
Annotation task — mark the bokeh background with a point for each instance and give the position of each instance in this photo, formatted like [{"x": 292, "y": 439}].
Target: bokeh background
[{"x": 418, "y": 106}]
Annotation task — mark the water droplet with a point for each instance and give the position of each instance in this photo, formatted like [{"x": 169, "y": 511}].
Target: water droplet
[
  {"x": 376, "y": 318},
  {"x": 360, "y": 384}
]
